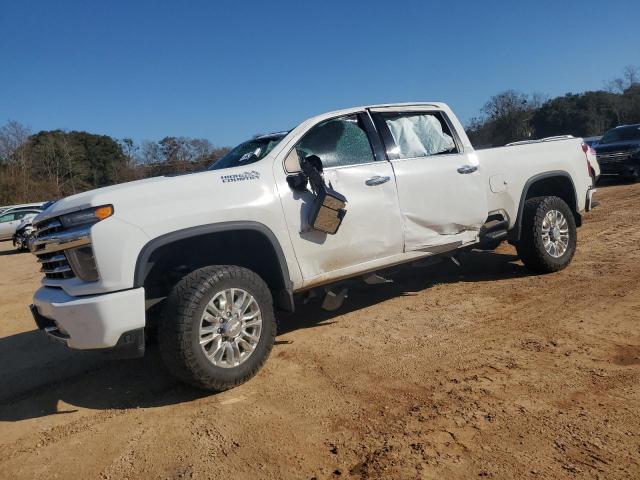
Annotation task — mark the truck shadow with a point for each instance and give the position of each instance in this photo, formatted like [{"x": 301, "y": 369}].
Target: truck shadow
[
  {"x": 477, "y": 266},
  {"x": 41, "y": 378},
  {"x": 15, "y": 251}
]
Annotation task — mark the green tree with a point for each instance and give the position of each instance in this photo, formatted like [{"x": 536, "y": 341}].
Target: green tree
[
  {"x": 505, "y": 118},
  {"x": 74, "y": 161}
]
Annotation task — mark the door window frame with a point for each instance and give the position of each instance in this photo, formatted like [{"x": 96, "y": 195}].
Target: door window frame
[
  {"x": 375, "y": 142},
  {"x": 391, "y": 149}
]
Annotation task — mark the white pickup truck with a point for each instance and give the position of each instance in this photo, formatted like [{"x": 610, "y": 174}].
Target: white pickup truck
[{"x": 205, "y": 258}]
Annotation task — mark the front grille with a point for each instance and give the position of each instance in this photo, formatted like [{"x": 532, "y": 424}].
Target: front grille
[
  {"x": 613, "y": 157},
  {"x": 54, "y": 264},
  {"x": 49, "y": 226}
]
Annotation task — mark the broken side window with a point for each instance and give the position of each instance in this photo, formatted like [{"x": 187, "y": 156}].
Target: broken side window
[
  {"x": 337, "y": 142},
  {"x": 420, "y": 134}
]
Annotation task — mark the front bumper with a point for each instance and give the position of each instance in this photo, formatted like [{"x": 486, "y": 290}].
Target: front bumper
[
  {"x": 108, "y": 321},
  {"x": 625, "y": 167}
]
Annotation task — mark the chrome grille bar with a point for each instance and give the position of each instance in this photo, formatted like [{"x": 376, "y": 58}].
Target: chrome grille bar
[
  {"x": 62, "y": 240},
  {"x": 56, "y": 270},
  {"x": 56, "y": 258},
  {"x": 52, "y": 225},
  {"x": 50, "y": 241},
  {"x": 613, "y": 156}
]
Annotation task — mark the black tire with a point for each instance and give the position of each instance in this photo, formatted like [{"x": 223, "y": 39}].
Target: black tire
[
  {"x": 531, "y": 248},
  {"x": 178, "y": 330}
]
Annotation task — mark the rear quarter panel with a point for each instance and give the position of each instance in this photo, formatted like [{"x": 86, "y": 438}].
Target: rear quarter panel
[{"x": 508, "y": 169}]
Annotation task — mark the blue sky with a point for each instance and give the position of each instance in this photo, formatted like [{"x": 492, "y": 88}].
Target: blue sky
[{"x": 227, "y": 70}]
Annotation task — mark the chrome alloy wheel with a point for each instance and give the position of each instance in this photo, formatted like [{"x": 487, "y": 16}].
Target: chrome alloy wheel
[
  {"x": 230, "y": 327},
  {"x": 555, "y": 233}
]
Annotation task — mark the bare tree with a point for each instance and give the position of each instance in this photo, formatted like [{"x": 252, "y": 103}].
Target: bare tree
[
  {"x": 150, "y": 152},
  {"x": 630, "y": 77},
  {"x": 13, "y": 138},
  {"x": 201, "y": 149}
]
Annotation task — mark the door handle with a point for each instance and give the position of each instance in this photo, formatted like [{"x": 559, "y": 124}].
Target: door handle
[
  {"x": 467, "y": 169},
  {"x": 377, "y": 180}
]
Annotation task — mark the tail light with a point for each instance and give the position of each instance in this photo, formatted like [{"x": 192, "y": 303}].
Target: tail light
[{"x": 589, "y": 150}]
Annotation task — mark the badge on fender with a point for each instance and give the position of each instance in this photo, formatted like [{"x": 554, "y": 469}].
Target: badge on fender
[{"x": 238, "y": 177}]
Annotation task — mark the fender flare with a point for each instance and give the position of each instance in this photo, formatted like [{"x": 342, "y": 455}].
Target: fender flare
[
  {"x": 517, "y": 230},
  {"x": 140, "y": 272}
]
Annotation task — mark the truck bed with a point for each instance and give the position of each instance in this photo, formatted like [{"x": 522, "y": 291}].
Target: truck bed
[{"x": 507, "y": 170}]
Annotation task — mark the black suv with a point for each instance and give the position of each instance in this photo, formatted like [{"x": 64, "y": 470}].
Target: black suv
[{"x": 618, "y": 151}]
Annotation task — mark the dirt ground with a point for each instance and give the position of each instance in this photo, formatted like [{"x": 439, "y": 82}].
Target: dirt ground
[{"x": 480, "y": 371}]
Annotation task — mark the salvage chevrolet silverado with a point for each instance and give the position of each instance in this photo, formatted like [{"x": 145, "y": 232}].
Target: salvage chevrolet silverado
[{"x": 204, "y": 259}]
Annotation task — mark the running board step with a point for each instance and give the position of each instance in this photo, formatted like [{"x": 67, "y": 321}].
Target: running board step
[
  {"x": 495, "y": 235},
  {"x": 492, "y": 226},
  {"x": 492, "y": 233},
  {"x": 375, "y": 279},
  {"x": 332, "y": 300}
]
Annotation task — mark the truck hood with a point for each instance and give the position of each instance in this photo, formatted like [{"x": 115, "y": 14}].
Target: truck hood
[
  {"x": 179, "y": 201},
  {"x": 626, "y": 146},
  {"x": 116, "y": 195}
]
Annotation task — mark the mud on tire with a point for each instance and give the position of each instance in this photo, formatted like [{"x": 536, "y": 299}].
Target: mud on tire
[
  {"x": 531, "y": 247},
  {"x": 179, "y": 334}
]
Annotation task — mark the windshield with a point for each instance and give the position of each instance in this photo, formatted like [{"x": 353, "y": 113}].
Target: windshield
[
  {"x": 249, "y": 152},
  {"x": 621, "y": 134}
]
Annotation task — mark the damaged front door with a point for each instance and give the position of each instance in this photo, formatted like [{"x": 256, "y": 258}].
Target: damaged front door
[
  {"x": 372, "y": 227},
  {"x": 440, "y": 188}
]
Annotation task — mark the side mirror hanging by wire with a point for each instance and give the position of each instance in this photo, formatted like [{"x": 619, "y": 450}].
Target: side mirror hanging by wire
[{"x": 328, "y": 208}]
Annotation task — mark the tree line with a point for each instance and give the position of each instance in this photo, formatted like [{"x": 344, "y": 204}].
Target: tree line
[
  {"x": 512, "y": 116},
  {"x": 54, "y": 164}
]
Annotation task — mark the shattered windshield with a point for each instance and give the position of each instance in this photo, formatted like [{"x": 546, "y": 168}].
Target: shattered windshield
[{"x": 249, "y": 152}]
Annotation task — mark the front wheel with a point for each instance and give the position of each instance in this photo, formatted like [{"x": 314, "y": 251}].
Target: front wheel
[
  {"x": 634, "y": 175},
  {"x": 217, "y": 328},
  {"x": 19, "y": 243},
  {"x": 549, "y": 236}
]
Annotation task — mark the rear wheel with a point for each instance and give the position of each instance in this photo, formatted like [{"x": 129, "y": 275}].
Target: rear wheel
[
  {"x": 218, "y": 327},
  {"x": 549, "y": 237}
]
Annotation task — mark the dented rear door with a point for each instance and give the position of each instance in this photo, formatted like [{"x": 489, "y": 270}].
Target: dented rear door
[{"x": 441, "y": 188}]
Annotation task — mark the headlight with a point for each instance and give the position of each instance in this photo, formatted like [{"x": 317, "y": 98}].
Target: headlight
[{"x": 89, "y": 215}]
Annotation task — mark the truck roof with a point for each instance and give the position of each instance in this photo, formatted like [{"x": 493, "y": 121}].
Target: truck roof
[
  {"x": 386, "y": 105},
  {"x": 347, "y": 111}
]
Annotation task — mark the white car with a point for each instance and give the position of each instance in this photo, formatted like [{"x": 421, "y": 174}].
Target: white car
[
  {"x": 342, "y": 195},
  {"x": 22, "y": 206},
  {"x": 10, "y": 220},
  {"x": 24, "y": 233}
]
